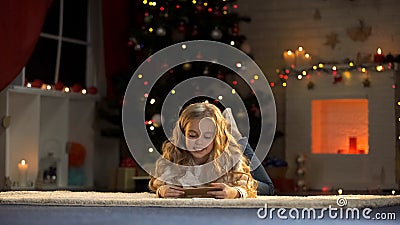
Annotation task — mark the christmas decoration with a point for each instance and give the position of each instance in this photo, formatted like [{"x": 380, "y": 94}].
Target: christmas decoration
[
  {"x": 216, "y": 34},
  {"x": 332, "y": 40},
  {"x": 310, "y": 85},
  {"x": 92, "y": 90},
  {"x": 366, "y": 82},
  {"x": 59, "y": 86},
  {"x": 76, "y": 88},
  {"x": 359, "y": 33},
  {"x": 76, "y": 154},
  {"x": 37, "y": 83},
  {"x": 317, "y": 15}
]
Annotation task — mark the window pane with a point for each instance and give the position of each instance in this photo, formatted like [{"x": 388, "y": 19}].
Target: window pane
[
  {"x": 42, "y": 63},
  {"x": 75, "y": 19},
  {"x": 52, "y": 19},
  {"x": 73, "y": 64}
]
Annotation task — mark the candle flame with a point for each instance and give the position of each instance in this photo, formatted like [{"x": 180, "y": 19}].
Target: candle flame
[
  {"x": 23, "y": 162},
  {"x": 379, "y": 51}
]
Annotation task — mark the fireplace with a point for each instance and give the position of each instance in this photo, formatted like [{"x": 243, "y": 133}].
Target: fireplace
[
  {"x": 346, "y": 130},
  {"x": 339, "y": 126}
]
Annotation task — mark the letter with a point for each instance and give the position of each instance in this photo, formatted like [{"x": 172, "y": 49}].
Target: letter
[
  {"x": 330, "y": 212},
  {"x": 309, "y": 210},
  {"x": 366, "y": 213},
  {"x": 262, "y": 216},
  {"x": 281, "y": 213},
  {"x": 321, "y": 216},
  {"x": 297, "y": 213},
  {"x": 352, "y": 210},
  {"x": 270, "y": 213}
]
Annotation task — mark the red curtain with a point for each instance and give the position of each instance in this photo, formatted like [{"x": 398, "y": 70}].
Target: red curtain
[
  {"x": 116, "y": 34},
  {"x": 20, "y": 24}
]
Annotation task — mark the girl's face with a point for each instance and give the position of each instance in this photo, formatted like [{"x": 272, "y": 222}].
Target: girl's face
[{"x": 200, "y": 139}]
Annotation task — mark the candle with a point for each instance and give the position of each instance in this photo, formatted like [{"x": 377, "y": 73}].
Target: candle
[
  {"x": 379, "y": 57},
  {"x": 352, "y": 145},
  {"x": 290, "y": 58},
  {"x": 23, "y": 173}
]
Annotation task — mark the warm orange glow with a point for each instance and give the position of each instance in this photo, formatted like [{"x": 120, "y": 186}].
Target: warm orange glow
[{"x": 340, "y": 126}]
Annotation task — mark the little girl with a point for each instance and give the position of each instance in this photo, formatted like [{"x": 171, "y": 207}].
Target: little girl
[{"x": 203, "y": 152}]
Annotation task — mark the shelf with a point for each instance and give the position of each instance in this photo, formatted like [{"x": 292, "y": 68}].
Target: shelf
[
  {"x": 52, "y": 93},
  {"x": 43, "y": 122}
]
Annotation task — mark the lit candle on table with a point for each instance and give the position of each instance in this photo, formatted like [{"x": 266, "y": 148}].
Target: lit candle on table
[{"x": 23, "y": 173}]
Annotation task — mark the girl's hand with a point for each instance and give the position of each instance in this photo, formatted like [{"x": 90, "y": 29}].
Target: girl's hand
[
  {"x": 170, "y": 191},
  {"x": 225, "y": 192}
]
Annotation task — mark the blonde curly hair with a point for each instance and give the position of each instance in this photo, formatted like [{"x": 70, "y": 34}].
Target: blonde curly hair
[{"x": 235, "y": 173}]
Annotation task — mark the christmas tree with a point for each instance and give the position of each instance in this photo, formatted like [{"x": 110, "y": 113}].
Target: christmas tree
[{"x": 155, "y": 25}]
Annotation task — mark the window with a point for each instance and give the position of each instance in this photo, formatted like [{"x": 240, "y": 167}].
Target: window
[{"x": 61, "y": 52}]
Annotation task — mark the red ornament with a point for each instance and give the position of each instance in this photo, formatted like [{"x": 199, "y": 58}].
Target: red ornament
[
  {"x": 59, "y": 86},
  {"x": 76, "y": 88},
  {"x": 92, "y": 90},
  {"x": 337, "y": 79},
  {"x": 182, "y": 27},
  {"x": 195, "y": 31},
  {"x": 235, "y": 30},
  {"x": 37, "y": 83}
]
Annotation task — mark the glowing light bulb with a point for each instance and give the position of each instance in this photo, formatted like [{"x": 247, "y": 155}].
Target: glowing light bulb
[
  {"x": 304, "y": 72},
  {"x": 151, "y": 127},
  {"x": 232, "y": 43},
  {"x": 255, "y": 77},
  {"x": 66, "y": 89},
  {"x": 300, "y": 48},
  {"x": 84, "y": 91},
  {"x": 363, "y": 70},
  {"x": 315, "y": 67},
  {"x": 233, "y": 91},
  {"x": 393, "y": 192},
  {"x": 145, "y": 2},
  {"x": 379, "y": 51},
  {"x": 334, "y": 68},
  {"x": 340, "y": 191},
  {"x": 307, "y": 56},
  {"x": 140, "y": 76},
  {"x": 152, "y": 101},
  {"x": 205, "y": 4},
  {"x": 351, "y": 64},
  {"x": 48, "y": 87},
  {"x": 284, "y": 84},
  {"x": 28, "y": 85},
  {"x": 289, "y": 52},
  {"x": 238, "y": 65},
  {"x": 151, "y": 29},
  {"x": 220, "y": 97},
  {"x": 184, "y": 46},
  {"x": 299, "y": 76},
  {"x": 151, "y": 150},
  {"x": 173, "y": 92},
  {"x": 321, "y": 65},
  {"x": 379, "y": 68}
]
